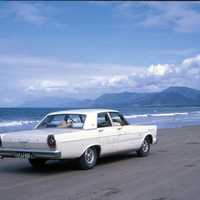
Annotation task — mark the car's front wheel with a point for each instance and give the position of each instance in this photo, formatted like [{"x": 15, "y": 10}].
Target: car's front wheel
[
  {"x": 144, "y": 149},
  {"x": 89, "y": 159},
  {"x": 37, "y": 163}
]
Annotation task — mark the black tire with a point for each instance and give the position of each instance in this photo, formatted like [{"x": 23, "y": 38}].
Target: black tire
[
  {"x": 37, "y": 163},
  {"x": 144, "y": 149},
  {"x": 89, "y": 159}
]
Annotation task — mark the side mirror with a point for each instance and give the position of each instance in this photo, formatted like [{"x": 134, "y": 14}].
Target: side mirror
[{"x": 116, "y": 124}]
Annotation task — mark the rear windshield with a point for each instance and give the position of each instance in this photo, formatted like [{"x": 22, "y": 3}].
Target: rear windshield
[{"x": 63, "y": 121}]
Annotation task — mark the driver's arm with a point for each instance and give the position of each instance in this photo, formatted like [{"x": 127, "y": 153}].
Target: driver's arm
[{"x": 63, "y": 124}]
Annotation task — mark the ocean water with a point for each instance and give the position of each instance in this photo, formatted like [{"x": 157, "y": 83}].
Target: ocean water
[{"x": 15, "y": 119}]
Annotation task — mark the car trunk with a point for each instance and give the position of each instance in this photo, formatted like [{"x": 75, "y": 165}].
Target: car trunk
[{"x": 31, "y": 139}]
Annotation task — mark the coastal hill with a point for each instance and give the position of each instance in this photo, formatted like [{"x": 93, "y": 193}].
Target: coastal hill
[{"x": 172, "y": 96}]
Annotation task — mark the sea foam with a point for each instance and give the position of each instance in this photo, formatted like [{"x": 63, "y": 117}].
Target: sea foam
[
  {"x": 16, "y": 123},
  {"x": 156, "y": 115},
  {"x": 168, "y": 114}
]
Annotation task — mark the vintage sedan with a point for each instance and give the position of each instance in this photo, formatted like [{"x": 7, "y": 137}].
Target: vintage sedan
[{"x": 85, "y": 135}]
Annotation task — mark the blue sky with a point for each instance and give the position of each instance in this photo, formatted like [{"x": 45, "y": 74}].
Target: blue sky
[{"x": 85, "y": 49}]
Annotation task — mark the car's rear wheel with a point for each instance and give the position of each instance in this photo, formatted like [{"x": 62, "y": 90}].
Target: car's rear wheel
[
  {"x": 37, "y": 163},
  {"x": 144, "y": 149},
  {"x": 89, "y": 158}
]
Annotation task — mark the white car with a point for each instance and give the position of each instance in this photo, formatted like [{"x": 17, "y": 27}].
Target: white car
[{"x": 86, "y": 134}]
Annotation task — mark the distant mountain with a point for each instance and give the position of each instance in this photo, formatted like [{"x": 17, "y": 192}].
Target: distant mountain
[
  {"x": 172, "y": 96},
  {"x": 117, "y": 99}
]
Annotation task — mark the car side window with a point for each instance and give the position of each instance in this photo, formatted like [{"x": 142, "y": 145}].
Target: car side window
[
  {"x": 53, "y": 121},
  {"x": 103, "y": 120},
  {"x": 118, "y": 118}
]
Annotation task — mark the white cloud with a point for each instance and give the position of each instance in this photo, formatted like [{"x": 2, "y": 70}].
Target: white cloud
[
  {"x": 159, "y": 70},
  {"x": 48, "y": 65},
  {"x": 31, "y": 61},
  {"x": 40, "y": 76},
  {"x": 194, "y": 61},
  {"x": 183, "y": 17},
  {"x": 48, "y": 85},
  {"x": 157, "y": 77},
  {"x": 173, "y": 53},
  {"x": 179, "y": 16},
  {"x": 33, "y": 13},
  {"x": 108, "y": 81},
  {"x": 37, "y": 13}
]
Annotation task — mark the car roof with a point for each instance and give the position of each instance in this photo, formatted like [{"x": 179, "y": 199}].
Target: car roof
[{"x": 82, "y": 111}]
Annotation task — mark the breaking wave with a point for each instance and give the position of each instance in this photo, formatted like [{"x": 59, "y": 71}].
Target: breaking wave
[
  {"x": 156, "y": 115},
  {"x": 136, "y": 116},
  {"x": 17, "y": 123},
  {"x": 168, "y": 114}
]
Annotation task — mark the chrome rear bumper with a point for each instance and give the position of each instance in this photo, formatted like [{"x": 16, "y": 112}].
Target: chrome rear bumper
[{"x": 12, "y": 153}]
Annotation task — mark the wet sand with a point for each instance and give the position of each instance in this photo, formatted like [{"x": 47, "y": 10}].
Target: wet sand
[{"x": 170, "y": 172}]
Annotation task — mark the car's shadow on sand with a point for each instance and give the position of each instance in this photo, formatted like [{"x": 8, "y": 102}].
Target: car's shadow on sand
[
  {"x": 116, "y": 158},
  {"x": 55, "y": 167}
]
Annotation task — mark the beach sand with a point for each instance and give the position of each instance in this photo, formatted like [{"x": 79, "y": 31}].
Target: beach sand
[{"x": 170, "y": 172}]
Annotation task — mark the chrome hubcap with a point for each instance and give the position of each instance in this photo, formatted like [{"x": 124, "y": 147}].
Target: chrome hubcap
[
  {"x": 145, "y": 146},
  {"x": 89, "y": 156}
]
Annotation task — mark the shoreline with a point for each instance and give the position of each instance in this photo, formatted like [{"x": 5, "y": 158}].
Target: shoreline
[
  {"x": 16, "y": 119},
  {"x": 181, "y": 127}
]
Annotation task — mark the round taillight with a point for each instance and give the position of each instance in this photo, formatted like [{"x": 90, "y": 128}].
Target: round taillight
[{"x": 51, "y": 141}]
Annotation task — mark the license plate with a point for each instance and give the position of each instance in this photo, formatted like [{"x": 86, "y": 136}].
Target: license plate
[{"x": 23, "y": 155}]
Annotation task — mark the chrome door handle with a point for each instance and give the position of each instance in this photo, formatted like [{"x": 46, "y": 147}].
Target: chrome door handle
[{"x": 101, "y": 130}]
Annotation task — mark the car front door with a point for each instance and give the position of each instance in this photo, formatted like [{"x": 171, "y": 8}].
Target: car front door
[
  {"x": 128, "y": 137},
  {"x": 107, "y": 133}
]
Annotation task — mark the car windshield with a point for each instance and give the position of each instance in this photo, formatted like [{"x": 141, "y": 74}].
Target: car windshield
[{"x": 63, "y": 121}]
